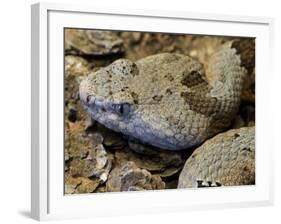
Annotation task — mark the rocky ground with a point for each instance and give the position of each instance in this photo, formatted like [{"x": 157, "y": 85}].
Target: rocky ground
[{"x": 100, "y": 160}]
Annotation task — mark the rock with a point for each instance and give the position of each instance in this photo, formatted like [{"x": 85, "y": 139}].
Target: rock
[
  {"x": 92, "y": 42},
  {"x": 96, "y": 138},
  {"x": 86, "y": 155},
  {"x": 227, "y": 159},
  {"x": 89, "y": 124},
  {"x": 143, "y": 149},
  {"x": 66, "y": 155},
  {"x": 87, "y": 185},
  {"x": 80, "y": 185},
  {"x": 203, "y": 47},
  {"x": 76, "y": 144},
  {"x": 112, "y": 140},
  {"x": 248, "y": 92},
  {"x": 129, "y": 177},
  {"x": 131, "y": 37},
  {"x": 96, "y": 164},
  {"x": 72, "y": 114},
  {"x": 100, "y": 189},
  {"x": 76, "y": 66},
  {"x": 75, "y": 69},
  {"x": 163, "y": 163}
]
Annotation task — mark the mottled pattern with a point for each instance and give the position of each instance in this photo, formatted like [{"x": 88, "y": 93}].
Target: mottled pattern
[
  {"x": 92, "y": 42},
  {"x": 246, "y": 49},
  {"x": 165, "y": 100},
  {"x": 227, "y": 159},
  {"x": 75, "y": 66},
  {"x": 129, "y": 177}
]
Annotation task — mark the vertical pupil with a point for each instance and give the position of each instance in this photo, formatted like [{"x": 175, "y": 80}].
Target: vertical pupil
[{"x": 120, "y": 109}]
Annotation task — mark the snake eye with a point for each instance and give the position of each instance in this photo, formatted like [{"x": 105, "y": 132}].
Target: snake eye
[
  {"x": 118, "y": 108},
  {"x": 122, "y": 108}
]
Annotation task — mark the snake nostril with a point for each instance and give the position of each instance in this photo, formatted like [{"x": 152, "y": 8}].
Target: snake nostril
[{"x": 88, "y": 99}]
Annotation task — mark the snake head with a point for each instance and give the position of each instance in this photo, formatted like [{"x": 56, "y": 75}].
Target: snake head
[{"x": 106, "y": 92}]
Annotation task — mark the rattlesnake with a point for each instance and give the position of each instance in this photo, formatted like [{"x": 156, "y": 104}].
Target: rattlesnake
[{"x": 166, "y": 100}]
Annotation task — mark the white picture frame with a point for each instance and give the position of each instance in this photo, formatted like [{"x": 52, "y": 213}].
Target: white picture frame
[{"x": 48, "y": 201}]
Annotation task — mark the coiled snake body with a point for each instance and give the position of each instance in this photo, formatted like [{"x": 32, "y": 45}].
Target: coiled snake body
[{"x": 227, "y": 159}]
